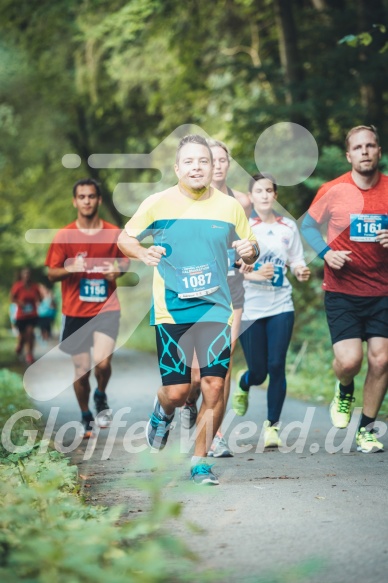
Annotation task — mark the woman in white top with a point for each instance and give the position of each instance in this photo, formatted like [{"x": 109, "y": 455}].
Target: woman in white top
[{"x": 268, "y": 315}]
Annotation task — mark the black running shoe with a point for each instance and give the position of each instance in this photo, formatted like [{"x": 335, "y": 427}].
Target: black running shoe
[
  {"x": 87, "y": 427},
  {"x": 104, "y": 414}
]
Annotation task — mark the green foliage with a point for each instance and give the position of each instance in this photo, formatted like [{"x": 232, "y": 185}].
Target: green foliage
[
  {"x": 119, "y": 76},
  {"x": 49, "y": 534},
  {"x": 82, "y": 78},
  {"x": 364, "y": 38},
  {"x": 144, "y": 337},
  {"x": 14, "y": 399}
]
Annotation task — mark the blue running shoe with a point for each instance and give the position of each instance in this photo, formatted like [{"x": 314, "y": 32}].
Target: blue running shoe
[
  {"x": 158, "y": 428},
  {"x": 202, "y": 474}
]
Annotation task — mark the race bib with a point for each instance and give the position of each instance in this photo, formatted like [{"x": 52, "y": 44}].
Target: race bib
[
  {"x": 363, "y": 227},
  {"x": 93, "y": 290},
  {"x": 28, "y": 308},
  {"x": 277, "y": 280},
  {"x": 197, "y": 280},
  {"x": 231, "y": 260}
]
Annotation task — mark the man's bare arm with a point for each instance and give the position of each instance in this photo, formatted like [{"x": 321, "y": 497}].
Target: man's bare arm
[{"x": 132, "y": 248}]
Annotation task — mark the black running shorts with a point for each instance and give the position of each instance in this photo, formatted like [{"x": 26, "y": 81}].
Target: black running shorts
[
  {"x": 351, "y": 316},
  {"x": 77, "y": 333},
  {"x": 21, "y": 325},
  {"x": 176, "y": 344}
]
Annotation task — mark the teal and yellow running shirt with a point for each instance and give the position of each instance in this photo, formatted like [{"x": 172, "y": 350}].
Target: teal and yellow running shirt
[{"x": 190, "y": 282}]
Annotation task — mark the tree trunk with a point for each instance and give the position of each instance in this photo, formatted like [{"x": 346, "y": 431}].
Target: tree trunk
[
  {"x": 81, "y": 145},
  {"x": 371, "y": 93},
  {"x": 319, "y": 5},
  {"x": 289, "y": 55}
]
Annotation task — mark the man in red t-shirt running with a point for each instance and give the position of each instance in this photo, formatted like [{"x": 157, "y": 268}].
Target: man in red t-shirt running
[
  {"x": 85, "y": 258},
  {"x": 26, "y": 295},
  {"x": 355, "y": 209}
]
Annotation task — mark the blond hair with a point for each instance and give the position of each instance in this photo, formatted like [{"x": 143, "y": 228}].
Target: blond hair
[
  {"x": 218, "y": 144},
  {"x": 357, "y": 129}
]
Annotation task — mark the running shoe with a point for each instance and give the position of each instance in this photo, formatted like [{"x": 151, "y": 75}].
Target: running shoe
[
  {"x": 219, "y": 448},
  {"x": 202, "y": 474},
  {"x": 271, "y": 435},
  {"x": 104, "y": 414},
  {"x": 340, "y": 408},
  {"x": 189, "y": 414},
  {"x": 87, "y": 427},
  {"x": 367, "y": 442},
  {"x": 158, "y": 428},
  {"x": 29, "y": 359},
  {"x": 240, "y": 398}
]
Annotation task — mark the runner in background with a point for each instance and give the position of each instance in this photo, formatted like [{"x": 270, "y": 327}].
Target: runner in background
[
  {"x": 85, "y": 258},
  {"x": 268, "y": 315},
  {"x": 221, "y": 158},
  {"x": 355, "y": 209},
  {"x": 47, "y": 310},
  {"x": 26, "y": 296}
]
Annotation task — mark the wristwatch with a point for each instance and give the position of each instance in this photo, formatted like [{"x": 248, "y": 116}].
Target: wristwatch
[{"x": 256, "y": 249}]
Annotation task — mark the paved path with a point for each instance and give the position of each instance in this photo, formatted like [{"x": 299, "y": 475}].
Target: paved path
[{"x": 310, "y": 514}]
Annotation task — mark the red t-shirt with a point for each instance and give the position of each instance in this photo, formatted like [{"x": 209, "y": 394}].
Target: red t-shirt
[
  {"x": 29, "y": 296},
  {"x": 367, "y": 273},
  {"x": 84, "y": 295}
]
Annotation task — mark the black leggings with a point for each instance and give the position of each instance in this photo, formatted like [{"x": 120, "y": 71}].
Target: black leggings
[{"x": 265, "y": 343}]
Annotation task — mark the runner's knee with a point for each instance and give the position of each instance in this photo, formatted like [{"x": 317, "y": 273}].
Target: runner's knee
[
  {"x": 82, "y": 373},
  {"x": 212, "y": 390},
  {"x": 176, "y": 394},
  {"x": 378, "y": 362},
  {"x": 349, "y": 366},
  {"x": 276, "y": 366},
  {"x": 103, "y": 366}
]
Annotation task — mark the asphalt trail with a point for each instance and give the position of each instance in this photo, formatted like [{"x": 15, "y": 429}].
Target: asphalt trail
[{"x": 313, "y": 513}]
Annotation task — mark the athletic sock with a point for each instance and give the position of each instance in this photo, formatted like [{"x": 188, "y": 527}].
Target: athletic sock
[
  {"x": 271, "y": 423},
  {"x": 348, "y": 390},
  {"x": 163, "y": 412},
  {"x": 243, "y": 384},
  {"x": 197, "y": 460},
  {"x": 99, "y": 394},
  {"x": 365, "y": 421},
  {"x": 87, "y": 414}
]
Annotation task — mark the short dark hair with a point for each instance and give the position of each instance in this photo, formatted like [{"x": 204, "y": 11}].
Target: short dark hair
[
  {"x": 192, "y": 139},
  {"x": 260, "y": 176},
  {"x": 87, "y": 182},
  {"x": 357, "y": 129}
]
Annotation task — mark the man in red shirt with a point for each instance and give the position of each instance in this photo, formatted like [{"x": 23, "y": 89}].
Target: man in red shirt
[
  {"x": 85, "y": 258},
  {"x": 26, "y": 295},
  {"x": 355, "y": 209}
]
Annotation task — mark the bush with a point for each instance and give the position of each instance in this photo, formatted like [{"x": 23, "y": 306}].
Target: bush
[
  {"x": 13, "y": 399},
  {"x": 48, "y": 534}
]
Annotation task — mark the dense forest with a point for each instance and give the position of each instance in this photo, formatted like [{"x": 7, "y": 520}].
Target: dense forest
[{"x": 116, "y": 76}]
